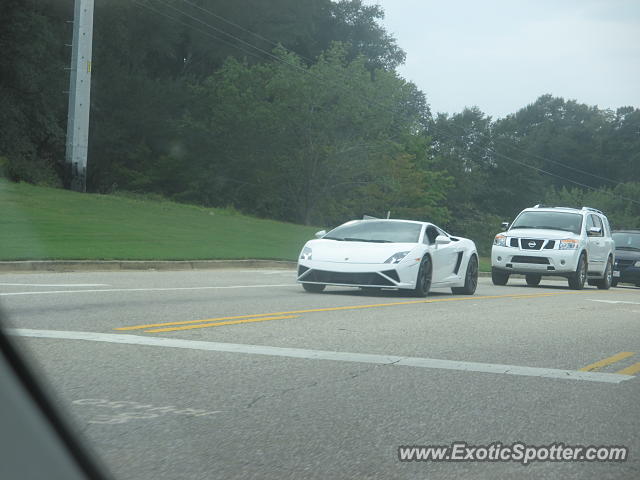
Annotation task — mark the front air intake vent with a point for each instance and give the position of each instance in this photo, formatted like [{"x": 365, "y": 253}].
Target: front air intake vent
[
  {"x": 349, "y": 278},
  {"x": 527, "y": 259}
]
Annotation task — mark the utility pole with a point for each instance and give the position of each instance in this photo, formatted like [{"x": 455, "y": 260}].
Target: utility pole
[{"x": 79, "y": 96}]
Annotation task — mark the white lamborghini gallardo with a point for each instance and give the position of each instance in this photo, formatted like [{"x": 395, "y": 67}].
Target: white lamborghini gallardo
[{"x": 396, "y": 254}]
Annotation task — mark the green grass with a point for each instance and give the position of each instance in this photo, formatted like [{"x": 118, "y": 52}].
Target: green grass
[
  {"x": 484, "y": 264},
  {"x": 39, "y": 223}
]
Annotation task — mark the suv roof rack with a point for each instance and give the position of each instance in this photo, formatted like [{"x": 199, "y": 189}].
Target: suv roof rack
[
  {"x": 590, "y": 209},
  {"x": 542, "y": 205}
]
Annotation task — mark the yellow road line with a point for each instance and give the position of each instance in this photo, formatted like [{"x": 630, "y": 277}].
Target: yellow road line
[
  {"x": 631, "y": 369},
  {"x": 607, "y": 361},
  {"x": 350, "y": 307},
  {"x": 219, "y": 324}
]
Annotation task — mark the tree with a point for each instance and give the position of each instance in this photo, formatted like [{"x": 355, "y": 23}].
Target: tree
[
  {"x": 304, "y": 143},
  {"x": 32, "y": 84}
]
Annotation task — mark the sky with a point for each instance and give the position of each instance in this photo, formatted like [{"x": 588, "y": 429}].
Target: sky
[{"x": 501, "y": 55}]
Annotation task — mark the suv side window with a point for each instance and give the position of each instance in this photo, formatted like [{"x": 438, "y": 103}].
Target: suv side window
[
  {"x": 607, "y": 228},
  {"x": 589, "y": 223},
  {"x": 594, "y": 221}
]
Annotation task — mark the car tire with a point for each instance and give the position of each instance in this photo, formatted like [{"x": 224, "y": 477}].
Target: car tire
[
  {"x": 423, "y": 280},
  {"x": 470, "y": 279},
  {"x": 614, "y": 283},
  {"x": 313, "y": 287},
  {"x": 533, "y": 280},
  {"x": 579, "y": 277},
  {"x": 607, "y": 280},
  {"x": 498, "y": 277}
]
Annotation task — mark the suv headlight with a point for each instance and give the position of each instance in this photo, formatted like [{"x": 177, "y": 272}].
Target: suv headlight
[
  {"x": 397, "y": 257},
  {"x": 500, "y": 241},
  {"x": 637, "y": 264},
  {"x": 306, "y": 254},
  {"x": 568, "y": 244}
]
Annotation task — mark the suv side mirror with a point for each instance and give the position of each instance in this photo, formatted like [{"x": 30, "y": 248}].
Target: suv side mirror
[
  {"x": 320, "y": 234},
  {"x": 442, "y": 240},
  {"x": 504, "y": 225},
  {"x": 594, "y": 232}
]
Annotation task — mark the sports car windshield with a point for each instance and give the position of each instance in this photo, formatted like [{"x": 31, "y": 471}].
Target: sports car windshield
[
  {"x": 565, "y": 221},
  {"x": 378, "y": 232},
  {"x": 627, "y": 241}
]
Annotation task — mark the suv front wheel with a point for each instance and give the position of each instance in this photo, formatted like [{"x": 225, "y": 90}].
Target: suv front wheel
[
  {"x": 533, "y": 280},
  {"x": 498, "y": 277},
  {"x": 578, "y": 278}
]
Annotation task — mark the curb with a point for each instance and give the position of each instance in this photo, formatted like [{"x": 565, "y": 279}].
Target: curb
[{"x": 127, "y": 265}]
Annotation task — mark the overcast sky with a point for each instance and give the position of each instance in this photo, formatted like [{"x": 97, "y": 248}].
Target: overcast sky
[{"x": 502, "y": 55}]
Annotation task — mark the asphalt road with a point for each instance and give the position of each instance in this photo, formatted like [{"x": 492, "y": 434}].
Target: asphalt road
[{"x": 242, "y": 374}]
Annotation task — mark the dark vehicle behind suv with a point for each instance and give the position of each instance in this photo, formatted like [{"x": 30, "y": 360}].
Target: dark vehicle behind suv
[{"x": 627, "y": 265}]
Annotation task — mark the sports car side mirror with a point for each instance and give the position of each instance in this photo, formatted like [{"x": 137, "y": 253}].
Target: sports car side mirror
[
  {"x": 320, "y": 234},
  {"x": 442, "y": 240},
  {"x": 504, "y": 225}
]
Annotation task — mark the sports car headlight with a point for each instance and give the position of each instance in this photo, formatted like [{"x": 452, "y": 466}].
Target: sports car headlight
[
  {"x": 396, "y": 258},
  {"x": 568, "y": 244},
  {"x": 500, "y": 241},
  {"x": 306, "y": 254}
]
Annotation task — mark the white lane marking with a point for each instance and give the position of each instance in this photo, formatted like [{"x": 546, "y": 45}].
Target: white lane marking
[
  {"x": 613, "y": 301},
  {"x": 167, "y": 289},
  {"x": 389, "y": 360},
  {"x": 54, "y": 285},
  {"x": 136, "y": 411}
]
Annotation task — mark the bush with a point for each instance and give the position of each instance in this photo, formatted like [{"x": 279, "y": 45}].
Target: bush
[
  {"x": 31, "y": 170},
  {"x": 480, "y": 227}
]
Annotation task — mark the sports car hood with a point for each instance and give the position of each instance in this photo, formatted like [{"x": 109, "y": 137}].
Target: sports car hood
[
  {"x": 355, "y": 252},
  {"x": 540, "y": 233}
]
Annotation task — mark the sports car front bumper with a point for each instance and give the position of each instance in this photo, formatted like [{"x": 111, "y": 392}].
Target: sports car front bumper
[{"x": 385, "y": 275}]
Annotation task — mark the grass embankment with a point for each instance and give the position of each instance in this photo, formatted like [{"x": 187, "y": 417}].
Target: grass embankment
[
  {"x": 39, "y": 223},
  {"x": 485, "y": 264}
]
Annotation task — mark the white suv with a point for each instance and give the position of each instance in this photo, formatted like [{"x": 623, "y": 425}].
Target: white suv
[{"x": 558, "y": 241}]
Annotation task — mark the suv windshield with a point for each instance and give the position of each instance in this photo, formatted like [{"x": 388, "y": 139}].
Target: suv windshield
[
  {"x": 568, "y": 222},
  {"x": 627, "y": 241},
  {"x": 377, "y": 231}
]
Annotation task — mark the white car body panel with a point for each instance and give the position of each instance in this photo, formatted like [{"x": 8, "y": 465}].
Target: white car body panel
[
  {"x": 355, "y": 252},
  {"x": 354, "y": 257},
  {"x": 560, "y": 262}
]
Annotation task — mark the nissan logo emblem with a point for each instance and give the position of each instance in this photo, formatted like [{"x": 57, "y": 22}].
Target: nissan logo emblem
[{"x": 531, "y": 244}]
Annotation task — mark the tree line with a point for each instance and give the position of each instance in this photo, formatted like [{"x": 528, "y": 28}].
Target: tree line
[{"x": 293, "y": 110}]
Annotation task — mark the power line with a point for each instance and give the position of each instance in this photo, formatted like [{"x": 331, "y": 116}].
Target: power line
[
  {"x": 307, "y": 72},
  {"x": 545, "y": 159},
  {"x": 233, "y": 24},
  {"x": 514, "y": 147},
  {"x": 269, "y": 54},
  {"x": 506, "y": 157},
  {"x": 219, "y": 30},
  {"x": 143, "y": 5},
  {"x": 569, "y": 167}
]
